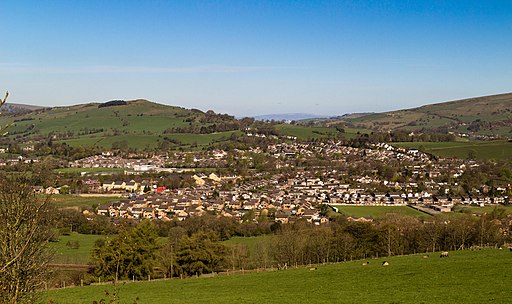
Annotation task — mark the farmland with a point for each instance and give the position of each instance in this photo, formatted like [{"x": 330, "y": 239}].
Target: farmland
[
  {"x": 486, "y": 115},
  {"x": 81, "y": 254},
  {"x": 480, "y": 150},
  {"x": 408, "y": 279},
  {"x": 377, "y": 211},
  {"x": 304, "y": 133},
  {"x": 138, "y": 124},
  {"x": 81, "y": 202}
]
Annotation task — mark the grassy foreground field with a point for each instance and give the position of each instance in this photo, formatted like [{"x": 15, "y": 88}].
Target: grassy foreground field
[
  {"x": 464, "y": 277},
  {"x": 377, "y": 211}
]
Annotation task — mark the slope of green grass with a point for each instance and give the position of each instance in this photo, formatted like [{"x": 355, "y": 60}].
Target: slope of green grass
[
  {"x": 481, "y": 150},
  {"x": 82, "y": 202},
  {"x": 305, "y": 132},
  {"x": 64, "y": 254},
  {"x": 494, "y": 111},
  {"x": 142, "y": 124},
  {"x": 464, "y": 277},
  {"x": 482, "y": 210},
  {"x": 377, "y": 211},
  {"x": 250, "y": 242}
]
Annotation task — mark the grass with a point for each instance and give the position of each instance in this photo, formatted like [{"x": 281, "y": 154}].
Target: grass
[
  {"x": 377, "y": 211},
  {"x": 482, "y": 210},
  {"x": 82, "y": 255},
  {"x": 66, "y": 255},
  {"x": 304, "y": 132},
  {"x": 250, "y": 242},
  {"x": 81, "y": 202},
  {"x": 500, "y": 150},
  {"x": 141, "y": 124},
  {"x": 464, "y": 277}
]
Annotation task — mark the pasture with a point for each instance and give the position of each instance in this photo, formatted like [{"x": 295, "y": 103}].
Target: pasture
[
  {"x": 80, "y": 202},
  {"x": 377, "y": 211},
  {"x": 499, "y": 150},
  {"x": 140, "y": 124},
  {"x": 482, "y": 210},
  {"x": 463, "y": 277},
  {"x": 65, "y": 254},
  {"x": 304, "y": 132}
]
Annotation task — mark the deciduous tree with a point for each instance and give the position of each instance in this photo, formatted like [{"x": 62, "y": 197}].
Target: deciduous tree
[{"x": 25, "y": 229}]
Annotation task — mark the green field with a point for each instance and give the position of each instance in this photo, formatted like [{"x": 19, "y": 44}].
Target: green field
[
  {"x": 490, "y": 113},
  {"x": 464, "y": 277},
  {"x": 481, "y": 150},
  {"x": 250, "y": 242},
  {"x": 482, "y": 210},
  {"x": 142, "y": 124},
  {"x": 304, "y": 132},
  {"x": 149, "y": 141},
  {"x": 81, "y": 255},
  {"x": 377, "y": 211},
  {"x": 81, "y": 202}
]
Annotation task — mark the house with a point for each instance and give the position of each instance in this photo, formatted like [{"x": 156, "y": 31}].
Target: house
[
  {"x": 107, "y": 185},
  {"x": 282, "y": 218},
  {"x": 51, "y": 190},
  {"x": 131, "y": 186}
]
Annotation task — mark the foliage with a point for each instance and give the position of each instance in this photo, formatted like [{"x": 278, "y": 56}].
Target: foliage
[
  {"x": 200, "y": 253},
  {"x": 131, "y": 254},
  {"x": 25, "y": 222}
]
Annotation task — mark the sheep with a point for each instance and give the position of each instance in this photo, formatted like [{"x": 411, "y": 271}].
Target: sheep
[
  {"x": 312, "y": 269},
  {"x": 444, "y": 254},
  {"x": 366, "y": 263},
  {"x": 385, "y": 263}
]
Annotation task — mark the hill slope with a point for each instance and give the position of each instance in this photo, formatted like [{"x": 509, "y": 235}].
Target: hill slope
[
  {"x": 487, "y": 115},
  {"x": 464, "y": 277},
  {"x": 140, "y": 123}
]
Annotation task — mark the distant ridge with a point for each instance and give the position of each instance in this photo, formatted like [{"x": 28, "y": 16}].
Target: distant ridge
[
  {"x": 484, "y": 116},
  {"x": 18, "y": 108}
]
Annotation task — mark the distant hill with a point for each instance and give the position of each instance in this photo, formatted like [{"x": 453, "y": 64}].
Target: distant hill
[
  {"x": 479, "y": 116},
  {"x": 288, "y": 116},
  {"x": 135, "y": 123},
  {"x": 140, "y": 124},
  {"x": 18, "y": 108}
]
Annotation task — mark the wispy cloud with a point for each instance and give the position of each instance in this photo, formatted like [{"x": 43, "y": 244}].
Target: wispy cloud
[{"x": 105, "y": 69}]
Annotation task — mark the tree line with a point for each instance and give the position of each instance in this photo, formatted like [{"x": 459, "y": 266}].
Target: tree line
[{"x": 194, "y": 249}]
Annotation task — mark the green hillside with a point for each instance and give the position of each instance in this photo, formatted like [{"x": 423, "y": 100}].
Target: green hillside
[
  {"x": 478, "y": 150},
  {"x": 487, "y": 115},
  {"x": 139, "y": 123},
  {"x": 463, "y": 277}
]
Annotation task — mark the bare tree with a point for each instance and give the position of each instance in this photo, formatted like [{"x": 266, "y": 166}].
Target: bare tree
[
  {"x": 2, "y": 102},
  {"x": 25, "y": 229}
]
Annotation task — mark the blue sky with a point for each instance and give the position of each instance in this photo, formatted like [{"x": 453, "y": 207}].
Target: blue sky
[{"x": 256, "y": 57}]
